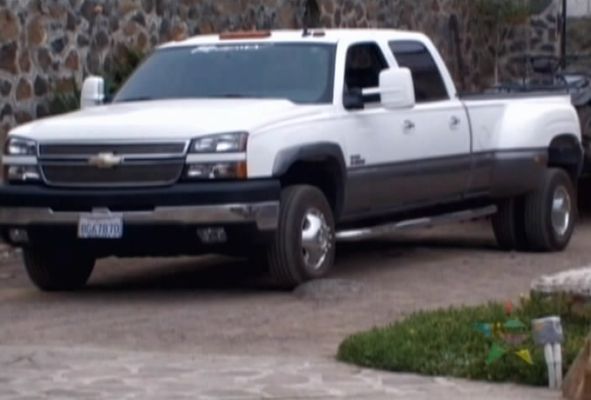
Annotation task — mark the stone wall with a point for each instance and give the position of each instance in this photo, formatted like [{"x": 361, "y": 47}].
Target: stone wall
[
  {"x": 479, "y": 51},
  {"x": 578, "y": 39},
  {"x": 49, "y": 46}
]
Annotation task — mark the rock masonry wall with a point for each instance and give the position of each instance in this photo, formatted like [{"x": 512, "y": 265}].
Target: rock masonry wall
[
  {"x": 49, "y": 46},
  {"x": 578, "y": 39}
]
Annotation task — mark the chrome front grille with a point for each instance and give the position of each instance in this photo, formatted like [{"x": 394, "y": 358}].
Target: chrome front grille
[
  {"x": 137, "y": 164},
  {"x": 129, "y": 149},
  {"x": 131, "y": 174}
]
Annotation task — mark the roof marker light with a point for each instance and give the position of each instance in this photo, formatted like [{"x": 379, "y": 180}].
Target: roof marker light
[{"x": 245, "y": 35}]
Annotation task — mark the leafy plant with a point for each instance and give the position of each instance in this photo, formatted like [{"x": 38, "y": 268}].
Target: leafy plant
[
  {"x": 115, "y": 76},
  {"x": 504, "y": 11},
  {"x": 64, "y": 102},
  {"x": 123, "y": 64},
  {"x": 495, "y": 19},
  {"x": 445, "y": 342}
]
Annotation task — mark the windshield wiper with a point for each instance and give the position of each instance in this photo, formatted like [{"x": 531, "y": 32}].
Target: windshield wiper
[
  {"x": 215, "y": 96},
  {"x": 139, "y": 98},
  {"x": 234, "y": 96}
]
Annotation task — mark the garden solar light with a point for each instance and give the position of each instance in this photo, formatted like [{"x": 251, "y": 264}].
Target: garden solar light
[{"x": 547, "y": 332}]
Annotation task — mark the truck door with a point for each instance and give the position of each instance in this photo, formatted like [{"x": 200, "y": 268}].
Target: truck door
[
  {"x": 407, "y": 158},
  {"x": 438, "y": 126},
  {"x": 371, "y": 142}
]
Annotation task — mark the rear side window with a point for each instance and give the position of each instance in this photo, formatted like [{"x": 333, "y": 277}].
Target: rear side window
[{"x": 427, "y": 79}]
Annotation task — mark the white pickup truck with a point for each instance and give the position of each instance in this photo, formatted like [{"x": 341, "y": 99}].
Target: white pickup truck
[{"x": 279, "y": 144}]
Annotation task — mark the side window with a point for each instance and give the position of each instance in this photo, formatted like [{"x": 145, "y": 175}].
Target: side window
[
  {"x": 365, "y": 61},
  {"x": 427, "y": 79}
]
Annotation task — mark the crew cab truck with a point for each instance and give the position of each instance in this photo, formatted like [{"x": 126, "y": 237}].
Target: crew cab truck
[{"x": 277, "y": 145}]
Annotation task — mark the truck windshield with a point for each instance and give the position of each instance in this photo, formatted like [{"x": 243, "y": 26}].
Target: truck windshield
[{"x": 301, "y": 73}]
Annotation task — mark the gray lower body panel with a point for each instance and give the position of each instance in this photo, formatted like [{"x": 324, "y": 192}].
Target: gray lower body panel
[{"x": 407, "y": 185}]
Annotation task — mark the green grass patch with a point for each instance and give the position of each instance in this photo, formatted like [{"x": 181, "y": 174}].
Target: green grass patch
[{"x": 445, "y": 343}]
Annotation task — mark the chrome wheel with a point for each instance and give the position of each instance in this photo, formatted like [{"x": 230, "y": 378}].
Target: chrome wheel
[
  {"x": 561, "y": 210},
  {"x": 316, "y": 239}
]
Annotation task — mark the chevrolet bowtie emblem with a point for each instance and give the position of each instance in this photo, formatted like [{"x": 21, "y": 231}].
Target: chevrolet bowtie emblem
[{"x": 105, "y": 160}]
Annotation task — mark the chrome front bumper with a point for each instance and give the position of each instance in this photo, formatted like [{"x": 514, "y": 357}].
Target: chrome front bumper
[{"x": 264, "y": 214}]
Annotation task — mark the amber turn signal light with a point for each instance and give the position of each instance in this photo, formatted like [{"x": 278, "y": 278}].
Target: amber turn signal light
[{"x": 245, "y": 35}]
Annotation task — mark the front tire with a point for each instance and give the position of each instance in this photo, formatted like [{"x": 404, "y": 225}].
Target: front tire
[
  {"x": 303, "y": 248},
  {"x": 55, "y": 270},
  {"x": 550, "y": 212}
]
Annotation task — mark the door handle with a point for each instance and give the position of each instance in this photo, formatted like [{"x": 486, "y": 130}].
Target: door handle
[
  {"x": 454, "y": 122},
  {"x": 409, "y": 126}
]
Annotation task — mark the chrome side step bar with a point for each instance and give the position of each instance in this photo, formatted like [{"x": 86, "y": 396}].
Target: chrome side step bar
[{"x": 356, "y": 235}]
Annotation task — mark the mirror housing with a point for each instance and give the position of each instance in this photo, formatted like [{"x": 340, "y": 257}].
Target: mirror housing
[
  {"x": 93, "y": 92},
  {"x": 397, "y": 88}
]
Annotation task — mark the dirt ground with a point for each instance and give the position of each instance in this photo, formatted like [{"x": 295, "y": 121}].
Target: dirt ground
[{"x": 213, "y": 306}]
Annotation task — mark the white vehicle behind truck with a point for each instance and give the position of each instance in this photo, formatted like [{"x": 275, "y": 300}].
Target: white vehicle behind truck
[{"x": 276, "y": 145}]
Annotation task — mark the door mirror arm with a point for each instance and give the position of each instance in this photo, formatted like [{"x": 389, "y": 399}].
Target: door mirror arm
[{"x": 353, "y": 99}]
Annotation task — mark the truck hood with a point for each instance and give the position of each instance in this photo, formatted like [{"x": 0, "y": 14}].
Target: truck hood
[{"x": 165, "y": 119}]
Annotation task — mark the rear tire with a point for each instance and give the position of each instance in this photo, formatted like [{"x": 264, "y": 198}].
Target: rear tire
[
  {"x": 303, "y": 248},
  {"x": 508, "y": 225},
  {"x": 54, "y": 270},
  {"x": 550, "y": 212}
]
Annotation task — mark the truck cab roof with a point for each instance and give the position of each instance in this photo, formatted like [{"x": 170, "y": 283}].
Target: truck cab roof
[{"x": 333, "y": 36}]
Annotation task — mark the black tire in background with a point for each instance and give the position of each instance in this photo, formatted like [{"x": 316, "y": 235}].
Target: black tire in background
[
  {"x": 550, "y": 212},
  {"x": 304, "y": 211},
  {"x": 54, "y": 270},
  {"x": 584, "y": 113}
]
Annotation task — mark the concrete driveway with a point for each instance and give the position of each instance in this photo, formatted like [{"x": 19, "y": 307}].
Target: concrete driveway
[{"x": 205, "y": 328}]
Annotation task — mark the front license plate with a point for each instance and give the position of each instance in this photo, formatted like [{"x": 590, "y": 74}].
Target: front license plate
[{"x": 100, "y": 227}]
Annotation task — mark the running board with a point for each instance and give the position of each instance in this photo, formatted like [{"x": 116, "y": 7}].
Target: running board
[{"x": 356, "y": 235}]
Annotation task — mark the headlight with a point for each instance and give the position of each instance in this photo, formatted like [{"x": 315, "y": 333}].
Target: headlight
[
  {"x": 22, "y": 173},
  {"x": 16, "y": 146},
  {"x": 220, "y": 170},
  {"x": 202, "y": 164},
  {"x": 234, "y": 142}
]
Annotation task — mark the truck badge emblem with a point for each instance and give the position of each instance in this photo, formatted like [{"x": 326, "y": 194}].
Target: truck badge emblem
[
  {"x": 105, "y": 160},
  {"x": 357, "y": 160}
]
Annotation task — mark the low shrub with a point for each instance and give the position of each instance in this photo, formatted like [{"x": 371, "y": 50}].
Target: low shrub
[{"x": 446, "y": 343}]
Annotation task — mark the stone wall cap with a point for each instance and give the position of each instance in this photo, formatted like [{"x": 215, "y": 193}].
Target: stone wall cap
[{"x": 574, "y": 282}]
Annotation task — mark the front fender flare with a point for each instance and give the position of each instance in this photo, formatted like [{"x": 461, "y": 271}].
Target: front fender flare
[
  {"x": 316, "y": 152},
  {"x": 319, "y": 153}
]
